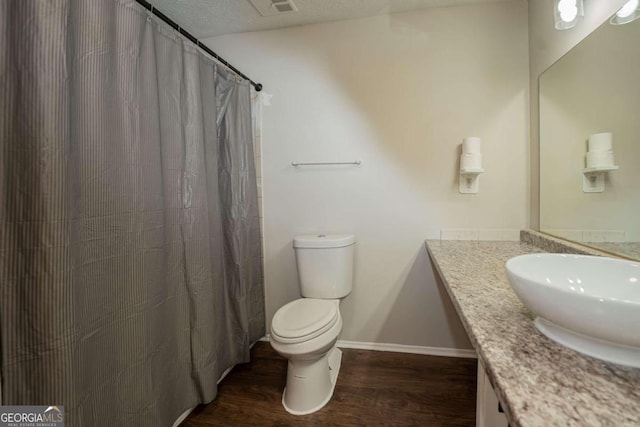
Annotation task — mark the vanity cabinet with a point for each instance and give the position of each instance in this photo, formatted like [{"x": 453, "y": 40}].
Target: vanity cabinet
[{"x": 488, "y": 410}]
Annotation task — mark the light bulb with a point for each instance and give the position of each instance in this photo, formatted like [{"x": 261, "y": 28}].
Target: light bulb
[
  {"x": 569, "y": 10},
  {"x": 628, "y": 9},
  {"x": 567, "y": 13}
]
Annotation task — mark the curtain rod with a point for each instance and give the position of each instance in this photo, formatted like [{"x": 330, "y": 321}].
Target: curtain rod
[{"x": 165, "y": 18}]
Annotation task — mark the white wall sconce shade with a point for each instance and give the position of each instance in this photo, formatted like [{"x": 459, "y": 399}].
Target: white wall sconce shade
[
  {"x": 567, "y": 13},
  {"x": 627, "y": 13}
]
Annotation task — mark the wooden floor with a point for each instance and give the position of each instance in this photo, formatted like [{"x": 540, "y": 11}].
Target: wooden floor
[{"x": 374, "y": 388}]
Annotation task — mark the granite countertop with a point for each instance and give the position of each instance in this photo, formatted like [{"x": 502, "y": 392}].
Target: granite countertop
[
  {"x": 538, "y": 382},
  {"x": 627, "y": 249}
]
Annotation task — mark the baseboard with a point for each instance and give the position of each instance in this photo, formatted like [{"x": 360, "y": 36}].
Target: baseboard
[
  {"x": 182, "y": 417},
  {"x": 225, "y": 373},
  {"x": 401, "y": 348}
]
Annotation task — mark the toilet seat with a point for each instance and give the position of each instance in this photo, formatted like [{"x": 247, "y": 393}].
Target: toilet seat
[{"x": 304, "y": 319}]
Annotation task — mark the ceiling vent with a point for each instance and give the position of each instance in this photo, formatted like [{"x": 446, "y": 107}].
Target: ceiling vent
[{"x": 274, "y": 7}]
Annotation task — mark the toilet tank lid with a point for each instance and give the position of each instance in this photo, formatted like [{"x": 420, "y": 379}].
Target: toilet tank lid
[{"x": 323, "y": 240}]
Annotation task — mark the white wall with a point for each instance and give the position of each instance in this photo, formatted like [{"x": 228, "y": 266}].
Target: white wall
[
  {"x": 546, "y": 46},
  {"x": 398, "y": 92}
]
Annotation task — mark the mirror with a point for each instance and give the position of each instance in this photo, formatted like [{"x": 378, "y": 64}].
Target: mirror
[{"x": 590, "y": 183}]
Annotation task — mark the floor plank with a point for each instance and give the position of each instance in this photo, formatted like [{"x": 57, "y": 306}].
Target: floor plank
[{"x": 374, "y": 388}]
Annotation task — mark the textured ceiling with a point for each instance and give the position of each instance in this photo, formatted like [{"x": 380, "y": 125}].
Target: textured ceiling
[{"x": 208, "y": 18}]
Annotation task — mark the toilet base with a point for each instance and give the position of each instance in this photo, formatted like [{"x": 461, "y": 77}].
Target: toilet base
[{"x": 310, "y": 384}]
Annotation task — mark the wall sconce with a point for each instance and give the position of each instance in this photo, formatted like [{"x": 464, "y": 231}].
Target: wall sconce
[
  {"x": 470, "y": 166},
  {"x": 567, "y": 13},
  {"x": 599, "y": 159},
  {"x": 627, "y": 13}
]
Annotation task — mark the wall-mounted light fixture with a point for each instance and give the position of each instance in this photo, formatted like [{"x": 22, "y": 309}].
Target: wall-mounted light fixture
[
  {"x": 470, "y": 166},
  {"x": 599, "y": 159},
  {"x": 567, "y": 13},
  {"x": 627, "y": 13}
]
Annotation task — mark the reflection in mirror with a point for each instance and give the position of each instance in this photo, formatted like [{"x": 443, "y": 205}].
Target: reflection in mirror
[{"x": 593, "y": 89}]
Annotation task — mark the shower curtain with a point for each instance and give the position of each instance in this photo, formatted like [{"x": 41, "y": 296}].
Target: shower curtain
[{"x": 130, "y": 255}]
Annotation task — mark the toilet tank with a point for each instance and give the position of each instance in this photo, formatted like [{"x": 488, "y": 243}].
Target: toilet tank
[{"x": 325, "y": 264}]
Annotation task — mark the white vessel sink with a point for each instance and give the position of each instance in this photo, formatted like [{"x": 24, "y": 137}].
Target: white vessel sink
[{"x": 587, "y": 303}]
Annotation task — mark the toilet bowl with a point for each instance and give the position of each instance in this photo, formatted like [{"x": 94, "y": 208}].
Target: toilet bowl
[
  {"x": 305, "y": 331},
  {"x": 314, "y": 359}
]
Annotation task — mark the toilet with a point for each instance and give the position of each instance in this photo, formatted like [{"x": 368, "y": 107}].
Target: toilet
[{"x": 305, "y": 331}]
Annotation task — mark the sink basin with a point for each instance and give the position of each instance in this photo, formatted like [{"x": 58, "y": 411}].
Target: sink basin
[{"x": 587, "y": 303}]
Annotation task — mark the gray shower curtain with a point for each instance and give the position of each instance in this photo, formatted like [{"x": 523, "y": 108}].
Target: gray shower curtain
[{"x": 130, "y": 254}]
